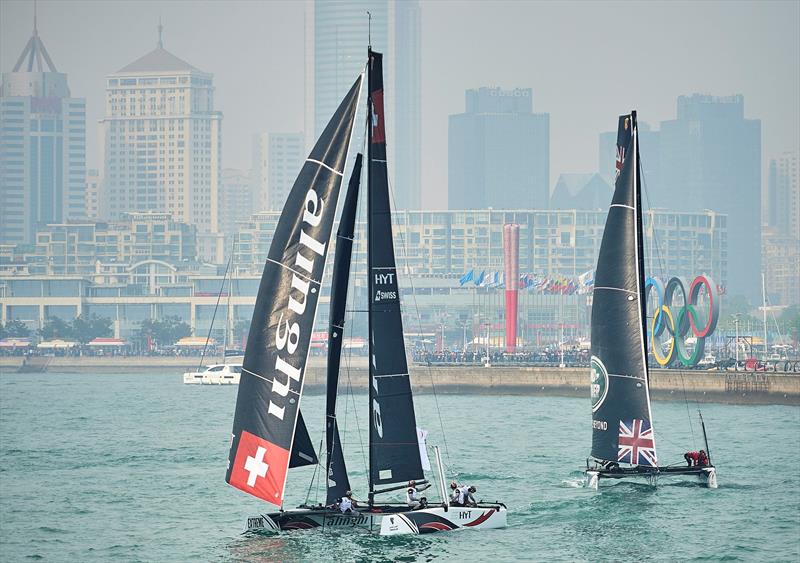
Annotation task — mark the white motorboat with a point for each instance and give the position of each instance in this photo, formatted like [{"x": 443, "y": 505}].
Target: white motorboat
[{"x": 217, "y": 374}]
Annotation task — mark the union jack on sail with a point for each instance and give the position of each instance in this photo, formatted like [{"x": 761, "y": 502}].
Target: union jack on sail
[
  {"x": 620, "y": 160},
  {"x": 636, "y": 442}
]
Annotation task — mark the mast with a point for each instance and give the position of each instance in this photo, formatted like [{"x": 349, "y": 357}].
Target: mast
[
  {"x": 228, "y": 315},
  {"x": 764, "y": 307},
  {"x": 370, "y": 352},
  {"x": 640, "y": 279}
]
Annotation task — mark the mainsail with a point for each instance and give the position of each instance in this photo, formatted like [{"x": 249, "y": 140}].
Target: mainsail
[
  {"x": 267, "y": 406},
  {"x": 622, "y": 425},
  {"x": 338, "y": 483},
  {"x": 394, "y": 451}
]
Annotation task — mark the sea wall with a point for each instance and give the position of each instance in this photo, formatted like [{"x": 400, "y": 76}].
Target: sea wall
[{"x": 692, "y": 385}]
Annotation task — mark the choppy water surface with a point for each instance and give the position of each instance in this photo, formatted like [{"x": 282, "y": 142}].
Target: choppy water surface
[{"x": 131, "y": 467}]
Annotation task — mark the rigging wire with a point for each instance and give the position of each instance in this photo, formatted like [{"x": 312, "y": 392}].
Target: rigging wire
[
  {"x": 419, "y": 323},
  {"x": 214, "y": 316},
  {"x": 314, "y": 477},
  {"x": 662, "y": 268},
  {"x": 356, "y": 248}
]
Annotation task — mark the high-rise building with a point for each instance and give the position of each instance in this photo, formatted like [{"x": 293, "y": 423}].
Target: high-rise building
[
  {"x": 235, "y": 201},
  {"x": 783, "y": 195},
  {"x": 94, "y": 184},
  {"x": 407, "y": 114},
  {"x": 161, "y": 143},
  {"x": 711, "y": 159},
  {"x": 337, "y": 36},
  {"x": 277, "y": 159},
  {"x": 781, "y": 237},
  {"x": 499, "y": 152},
  {"x": 581, "y": 191},
  {"x": 42, "y": 146}
]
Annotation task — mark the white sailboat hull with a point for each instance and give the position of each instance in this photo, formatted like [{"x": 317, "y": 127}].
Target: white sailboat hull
[
  {"x": 437, "y": 519},
  {"x": 388, "y": 521},
  {"x": 707, "y": 475}
]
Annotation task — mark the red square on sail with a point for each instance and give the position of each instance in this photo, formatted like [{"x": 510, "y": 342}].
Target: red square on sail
[
  {"x": 260, "y": 468},
  {"x": 378, "y": 124}
]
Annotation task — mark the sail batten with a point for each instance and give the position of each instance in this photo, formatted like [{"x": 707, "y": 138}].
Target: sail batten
[
  {"x": 622, "y": 427},
  {"x": 393, "y": 446},
  {"x": 267, "y": 420}
]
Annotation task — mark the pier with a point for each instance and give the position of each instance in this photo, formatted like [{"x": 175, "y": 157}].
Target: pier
[{"x": 666, "y": 384}]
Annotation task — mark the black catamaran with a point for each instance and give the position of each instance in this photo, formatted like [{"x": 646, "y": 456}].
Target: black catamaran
[
  {"x": 622, "y": 422},
  {"x": 269, "y": 436}
]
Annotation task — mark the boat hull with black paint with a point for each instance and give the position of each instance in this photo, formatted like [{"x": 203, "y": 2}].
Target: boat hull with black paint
[{"x": 385, "y": 520}]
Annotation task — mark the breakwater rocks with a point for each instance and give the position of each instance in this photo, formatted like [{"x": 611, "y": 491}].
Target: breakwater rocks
[{"x": 692, "y": 385}]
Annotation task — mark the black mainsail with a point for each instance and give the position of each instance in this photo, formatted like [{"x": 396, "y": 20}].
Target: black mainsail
[
  {"x": 622, "y": 424},
  {"x": 337, "y": 481},
  {"x": 268, "y": 402},
  {"x": 393, "y": 448}
]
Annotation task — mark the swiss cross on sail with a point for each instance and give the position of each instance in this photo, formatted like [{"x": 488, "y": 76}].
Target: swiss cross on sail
[
  {"x": 378, "y": 123},
  {"x": 267, "y": 426}
]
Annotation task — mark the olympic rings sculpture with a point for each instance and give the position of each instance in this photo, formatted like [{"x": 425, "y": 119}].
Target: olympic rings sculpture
[{"x": 679, "y": 315}]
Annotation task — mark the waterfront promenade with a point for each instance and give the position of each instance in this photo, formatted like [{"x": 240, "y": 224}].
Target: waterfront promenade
[{"x": 691, "y": 385}]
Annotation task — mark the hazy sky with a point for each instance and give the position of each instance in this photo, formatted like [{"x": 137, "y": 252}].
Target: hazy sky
[{"x": 587, "y": 62}]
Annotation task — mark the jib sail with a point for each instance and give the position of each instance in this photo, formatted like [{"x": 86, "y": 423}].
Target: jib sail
[
  {"x": 394, "y": 451},
  {"x": 271, "y": 384},
  {"x": 338, "y": 483},
  {"x": 622, "y": 425}
]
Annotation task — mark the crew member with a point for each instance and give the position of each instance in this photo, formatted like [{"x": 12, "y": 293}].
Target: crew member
[
  {"x": 455, "y": 494},
  {"x": 702, "y": 458},
  {"x": 412, "y": 495},
  {"x": 462, "y": 495},
  {"x": 469, "y": 500},
  {"x": 348, "y": 504},
  {"x": 693, "y": 458}
]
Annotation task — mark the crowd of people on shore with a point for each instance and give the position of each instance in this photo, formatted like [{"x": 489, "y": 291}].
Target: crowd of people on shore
[{"x": 528, "y": 357}]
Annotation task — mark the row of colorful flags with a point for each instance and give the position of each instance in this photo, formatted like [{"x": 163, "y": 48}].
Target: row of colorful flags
[
  {"x": 554, "y": 285},
  {"x": 561, "y": 285}
]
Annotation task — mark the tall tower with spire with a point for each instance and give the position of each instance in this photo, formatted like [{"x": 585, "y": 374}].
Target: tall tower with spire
[
  {"x": 336, "y": 36},
  {"x": 161, "y": 140},
  {"x": 42, "y": 146}
]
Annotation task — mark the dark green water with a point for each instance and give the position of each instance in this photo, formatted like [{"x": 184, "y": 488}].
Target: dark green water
[{"x": 126, "y": 467}]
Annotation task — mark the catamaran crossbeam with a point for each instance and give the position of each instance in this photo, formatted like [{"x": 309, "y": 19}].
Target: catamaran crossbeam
[{"x": 708, "y": 474}]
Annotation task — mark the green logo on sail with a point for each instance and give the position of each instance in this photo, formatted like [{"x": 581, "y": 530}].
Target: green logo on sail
[{"x": 599, "y": 383}]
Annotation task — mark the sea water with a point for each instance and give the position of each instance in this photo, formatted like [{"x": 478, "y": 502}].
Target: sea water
[{"x": 130, "y": 467}]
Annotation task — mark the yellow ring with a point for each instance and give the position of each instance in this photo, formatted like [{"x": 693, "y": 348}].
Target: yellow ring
[{"x": 663, "y": 361}]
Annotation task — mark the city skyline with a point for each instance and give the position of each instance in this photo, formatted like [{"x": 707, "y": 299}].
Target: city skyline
[{"x": 270, "y": 37}]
